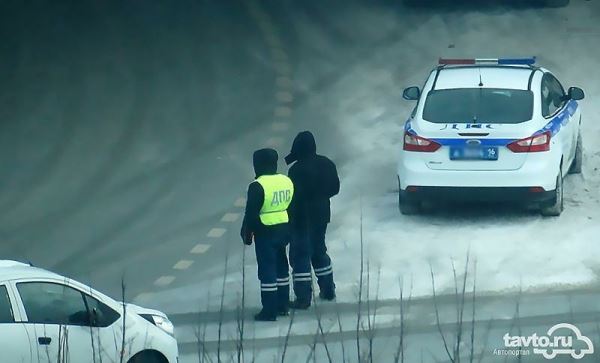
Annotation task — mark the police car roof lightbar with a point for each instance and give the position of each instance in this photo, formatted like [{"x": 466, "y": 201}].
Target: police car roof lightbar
[{"x": 491, "y": 61}]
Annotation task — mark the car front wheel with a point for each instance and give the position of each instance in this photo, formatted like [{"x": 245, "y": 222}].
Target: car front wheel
[{"x": 148, "y": 356}]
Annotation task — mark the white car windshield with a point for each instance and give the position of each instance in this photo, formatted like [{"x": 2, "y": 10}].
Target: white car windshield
[{"x": 478, "y": 105}]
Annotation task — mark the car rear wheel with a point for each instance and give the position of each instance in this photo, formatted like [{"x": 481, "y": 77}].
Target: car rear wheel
[
  {"x": 578, "y": 160},
  {"x": 556, "y": 206},
  {"x": 407, "y": 206}
]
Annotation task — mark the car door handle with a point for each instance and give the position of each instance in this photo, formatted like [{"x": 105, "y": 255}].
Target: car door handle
[{"x": 44, "y": 340}]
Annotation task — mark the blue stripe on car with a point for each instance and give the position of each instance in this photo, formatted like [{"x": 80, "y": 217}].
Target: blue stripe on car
[{"x": 561, "y": 119}]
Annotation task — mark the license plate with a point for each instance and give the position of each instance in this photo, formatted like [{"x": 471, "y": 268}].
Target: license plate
[{"x": 474, "y": 153}]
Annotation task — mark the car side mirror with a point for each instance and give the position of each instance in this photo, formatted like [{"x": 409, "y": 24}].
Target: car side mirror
[
  {"x": 576, "y": 93},
  {"x": 82, "y": 318},
  {"x": 411, "y": 93}
]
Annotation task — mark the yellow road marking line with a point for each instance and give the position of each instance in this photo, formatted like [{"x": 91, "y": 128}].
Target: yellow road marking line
[
  {"x": 279, "y": 126},
  {"x": 283, "y": 68},
  {"x": 164, "y": 280},
  {"x": 283, "y": 96},
  {"x": 272, "y": 40},
  {"x": 183, "y": 264},
  {"x": 274, "y": 142},
  {"x": 266, "y": 26},
  {"x": 279, "y": 54},
  {"x": 216, "y": 232},
  {"x": 284, "y": 82},
  {"x": 200, "y": 248},
  {"x": 283, "y": 111},
  {"x": 230, "y": 217}
]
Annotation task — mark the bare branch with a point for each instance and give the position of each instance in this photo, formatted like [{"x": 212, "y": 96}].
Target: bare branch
[
  {"x": 122, "y": 351},
  {"x": 360, "y": 283},
  {"x": 221, "y": 306},
  {"x": 461, "y": 310},
  {"x": 241, "y": 313},
  {"x": 339, "y": 321},
  {"x": 320, "y": 326},
  {"x": 437, "y": 316},
  {"x": 471, "y": 356},
  {"x": 287, "y": 335}
]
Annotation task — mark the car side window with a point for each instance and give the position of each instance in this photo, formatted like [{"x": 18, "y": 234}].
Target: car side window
[
  {"x": 553, "y": 95},
  {"x": 102, "y": 314},
  {"x": 52, "y": 303},
  {"x": 6, "y": 312}
]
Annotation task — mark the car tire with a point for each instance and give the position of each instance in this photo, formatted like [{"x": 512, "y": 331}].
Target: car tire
[
  {"x": 148, "y": 356},
  {"x": 408, "y": 207},
  {"x": 577, "y": 163},
  {"x": 556, "y": 206}
]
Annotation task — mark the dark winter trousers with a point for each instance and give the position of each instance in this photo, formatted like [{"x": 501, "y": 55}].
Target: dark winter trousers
[
  {"x": 308, "y": 248},
  {"x": 273, "y": 272}
]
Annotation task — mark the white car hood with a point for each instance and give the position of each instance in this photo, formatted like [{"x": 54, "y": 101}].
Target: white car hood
[{"x": 141, "y": 310}]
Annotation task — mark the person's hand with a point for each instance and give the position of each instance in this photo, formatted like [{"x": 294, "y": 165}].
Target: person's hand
[{"x": 248, "y": 239}]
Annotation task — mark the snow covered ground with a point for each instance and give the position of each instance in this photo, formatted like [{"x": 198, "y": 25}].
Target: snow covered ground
[
  {"x": 512, "y": 247},
  {"x": 363, "y": 112}
]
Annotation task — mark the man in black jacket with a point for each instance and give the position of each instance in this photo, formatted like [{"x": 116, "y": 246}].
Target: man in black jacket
[
  {"x": 266, "y": 222},
  {"x": 315, "y": 181}
]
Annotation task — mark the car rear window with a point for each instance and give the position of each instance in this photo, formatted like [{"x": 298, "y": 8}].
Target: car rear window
[
  {"x": 478, "y": 105},
  {"x": 6, "y": 314}
]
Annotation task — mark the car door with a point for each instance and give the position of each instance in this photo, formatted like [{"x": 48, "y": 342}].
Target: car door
[
  {"x": 105, "y": 330},
  {"x": 14, "y": 342},
  {"x": 61, "y": 324},
  {"x": 554, "y": 108},
  {"x": 569, "y": 121}
]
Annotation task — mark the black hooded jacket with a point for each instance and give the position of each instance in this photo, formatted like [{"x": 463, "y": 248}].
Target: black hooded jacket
[
  {"x": 265, "y": 163},
  {"x": 315, "y": 181}
]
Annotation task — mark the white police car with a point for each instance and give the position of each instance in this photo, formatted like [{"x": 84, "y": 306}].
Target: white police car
[
  {"x": 490, "y": 129},
  {"x": 45, "y": 317}
]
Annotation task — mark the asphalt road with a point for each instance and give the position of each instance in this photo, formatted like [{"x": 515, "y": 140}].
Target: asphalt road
[
  {"x": 125, "y": 132},
  {"x": 126, "y": 129}
]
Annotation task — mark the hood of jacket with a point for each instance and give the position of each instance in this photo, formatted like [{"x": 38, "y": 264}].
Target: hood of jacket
[
  {"x": 265, "y": 162},
  {"x": 304, "y": 146}
]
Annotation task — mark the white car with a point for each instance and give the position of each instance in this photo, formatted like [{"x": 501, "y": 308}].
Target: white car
[
  {"x": 490, "y": 129},
  {"x": 45, "y": 317}
]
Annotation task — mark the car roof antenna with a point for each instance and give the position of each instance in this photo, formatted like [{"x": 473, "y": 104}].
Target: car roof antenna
[{"x": 480, "y": 79}]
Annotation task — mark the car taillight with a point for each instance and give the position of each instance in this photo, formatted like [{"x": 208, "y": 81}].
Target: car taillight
[
  {"x": 531, "y": 144},
  {"x": 421, "y": 144}
]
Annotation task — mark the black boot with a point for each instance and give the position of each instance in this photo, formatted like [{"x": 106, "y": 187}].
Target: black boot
[
  {"x": 264, "y": 316},
  {"x": 299, "y": 305},
  {"x": 284, "y": 311},
  {"x": 327, "y": 295}
]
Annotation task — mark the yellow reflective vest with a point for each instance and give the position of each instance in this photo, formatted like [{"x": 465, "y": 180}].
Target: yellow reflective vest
[{"x": 279, "y": 191}]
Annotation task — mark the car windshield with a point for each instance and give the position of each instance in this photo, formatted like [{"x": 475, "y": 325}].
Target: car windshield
[{"x": 485, "y": 105}]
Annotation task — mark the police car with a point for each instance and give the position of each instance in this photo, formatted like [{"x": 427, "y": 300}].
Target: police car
[
  {"x": 489, "y": 130},
  {"x": 45, "y": 317}
]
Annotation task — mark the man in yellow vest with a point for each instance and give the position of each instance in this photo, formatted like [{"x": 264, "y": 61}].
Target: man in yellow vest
[{"x": 266, "y": 223}]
